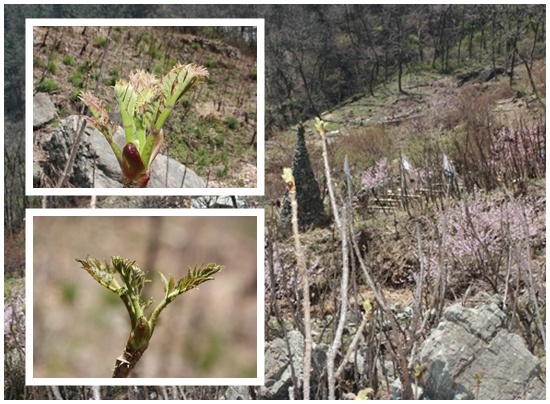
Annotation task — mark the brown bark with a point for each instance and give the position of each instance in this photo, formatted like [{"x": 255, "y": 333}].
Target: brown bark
[{"x": 126, "y": 362}]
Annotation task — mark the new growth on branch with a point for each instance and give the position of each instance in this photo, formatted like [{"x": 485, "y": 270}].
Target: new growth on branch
[
  {"x": 132, "y": 280},
  {"x": 145, "y": 103}
]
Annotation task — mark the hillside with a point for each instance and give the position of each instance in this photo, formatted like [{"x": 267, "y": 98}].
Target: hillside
[
  {"x": 436, "y": 113},
  {"x": 408, "y": 217},
  {"x": 213, "y": 128}
]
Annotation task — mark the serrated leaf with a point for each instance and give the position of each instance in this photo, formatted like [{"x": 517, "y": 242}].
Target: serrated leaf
[
  {"x": 101, "y": 272},
  {"x": 164, "y": 283},
  {"x": 195, "y": 276}
]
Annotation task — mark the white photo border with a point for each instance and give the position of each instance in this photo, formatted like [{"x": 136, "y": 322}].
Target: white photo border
[{"x": 259, "y": 380}]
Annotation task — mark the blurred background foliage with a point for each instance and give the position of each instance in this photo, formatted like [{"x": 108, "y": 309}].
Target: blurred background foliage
[{"x": 80, "y": 327}]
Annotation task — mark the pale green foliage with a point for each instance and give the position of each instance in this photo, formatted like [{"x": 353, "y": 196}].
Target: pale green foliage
[
  {"x": 320, "y": 126},
  {"x": 132, "y": 279},
  {"x": 195, "y": 276},
  {"x": 145, "y": 103}
]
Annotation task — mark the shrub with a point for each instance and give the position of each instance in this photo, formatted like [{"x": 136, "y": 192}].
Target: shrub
[
  {"x": 376, "y": 176},
  {"x": 76, "y": 79},
  {"x": 479, "y": 234},
  {"x": 365, "y": 146},
  {"x": 48, "y": 85},
  {"x": 101, "y": 41},
  {"x": 518, "y": 153},
  {"x": 232, "y": 122},
  {"x": 68, "y": 60},
  {"x": 52, "y": 67}
]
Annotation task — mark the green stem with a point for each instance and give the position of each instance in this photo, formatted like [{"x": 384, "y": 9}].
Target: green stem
[{"x": 153, "y": 318}]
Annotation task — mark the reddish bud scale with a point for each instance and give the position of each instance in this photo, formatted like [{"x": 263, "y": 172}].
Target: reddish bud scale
[{"x": 132, "y": 164}]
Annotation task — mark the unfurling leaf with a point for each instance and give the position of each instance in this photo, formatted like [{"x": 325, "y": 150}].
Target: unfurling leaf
[
  {"x": 133, "y": 280},
  {"x": 168, "y": 285},
  {"x": 101, "y": 272},
  {"x": 164, "y": 283},
  {"x": 367, "y": 305},
  {"x": 195, "y": 277},
  {"x": 171, "y": 284},
  {"x": 320, "y": 126}
]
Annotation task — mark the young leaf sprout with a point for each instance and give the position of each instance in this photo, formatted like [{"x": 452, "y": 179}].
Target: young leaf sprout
[{"x": 132, "y": 280}]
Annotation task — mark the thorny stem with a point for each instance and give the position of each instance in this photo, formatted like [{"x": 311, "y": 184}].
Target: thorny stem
[
  {"x": 345, "y": 267},
  {"x": 305, "y": 286},
  {"x": 291, "y": 185}
]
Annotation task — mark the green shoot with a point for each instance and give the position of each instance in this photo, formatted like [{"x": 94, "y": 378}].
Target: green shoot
[{"x": 129, "y": 286}]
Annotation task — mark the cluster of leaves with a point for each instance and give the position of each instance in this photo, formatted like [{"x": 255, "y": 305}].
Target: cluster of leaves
[
  {"x": 193, "y": 279},
  {"x": 133, "y": 279},
  {"x": 129, "y": 290},
  {"x": 145, "y": 103}
]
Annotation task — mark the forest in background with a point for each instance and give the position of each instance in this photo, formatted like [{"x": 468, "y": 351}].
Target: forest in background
[
  {"x": 320, "y": 58},
  {"x": 317, "y": 56}
]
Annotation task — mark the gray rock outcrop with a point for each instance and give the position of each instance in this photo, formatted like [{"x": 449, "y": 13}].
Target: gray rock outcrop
[
  {"x": 97, "y": 167},
  {"x": 43, "y": 110},
  {"x": 279, "y": 366},
  {"x": 471, "y": 355}
]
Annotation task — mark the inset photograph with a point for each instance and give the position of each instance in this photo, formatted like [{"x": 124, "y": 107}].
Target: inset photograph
[
  {"x": 158, "y": 299},
  {"x": 123, "y": 104}
]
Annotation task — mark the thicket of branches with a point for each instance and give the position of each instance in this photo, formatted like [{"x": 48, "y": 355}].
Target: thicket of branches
[{"x": 443, "y": 240}]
